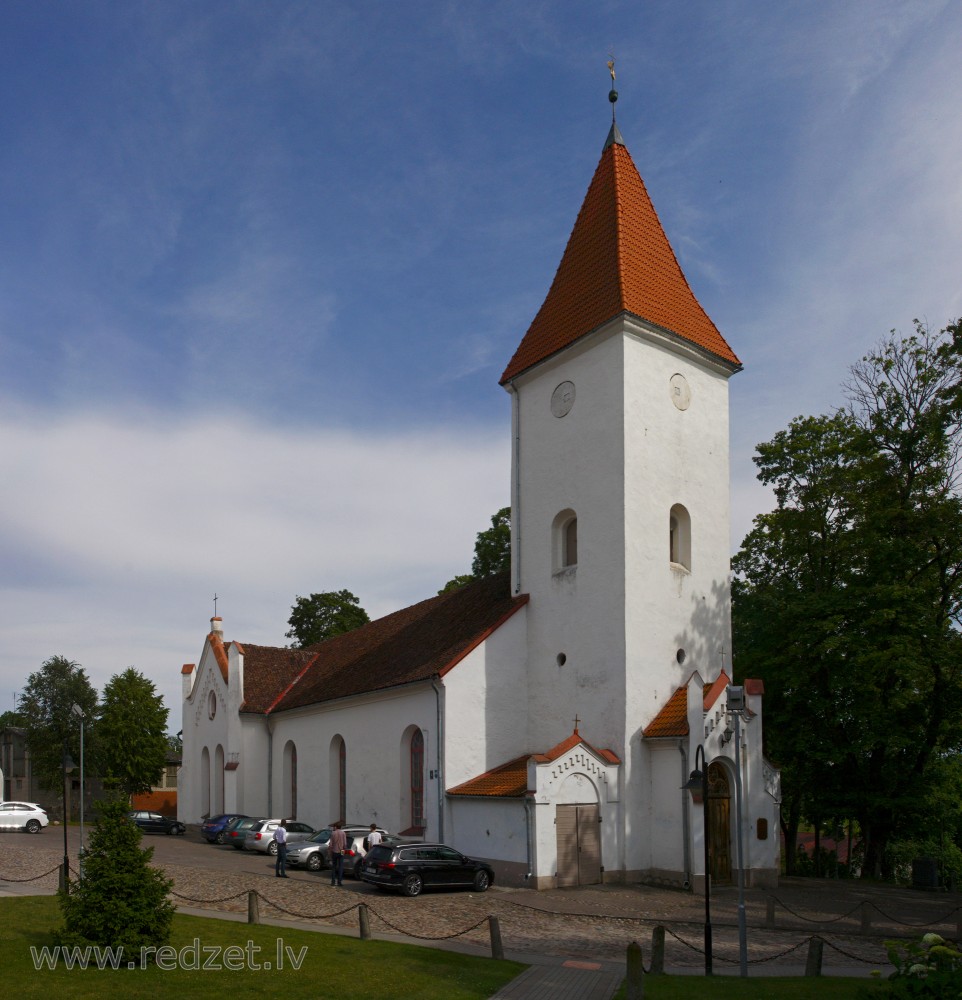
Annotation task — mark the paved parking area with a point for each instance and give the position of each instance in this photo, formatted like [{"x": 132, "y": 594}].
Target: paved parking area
[{"x": 591, "y": 924}]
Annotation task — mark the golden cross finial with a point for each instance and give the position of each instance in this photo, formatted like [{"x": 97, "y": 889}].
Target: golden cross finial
[{"x": 611, "y": 67}]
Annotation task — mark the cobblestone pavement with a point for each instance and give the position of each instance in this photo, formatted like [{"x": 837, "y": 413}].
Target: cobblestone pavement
[{"x": 590, "y": 923}]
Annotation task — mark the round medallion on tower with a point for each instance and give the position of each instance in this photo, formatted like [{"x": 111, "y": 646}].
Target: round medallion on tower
[
  {"x": 562, "y": 399},
  {"x": 680, "y": 393}
]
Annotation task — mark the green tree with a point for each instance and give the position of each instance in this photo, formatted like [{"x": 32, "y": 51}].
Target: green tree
[
  {"x": 51, "y": 726},
  {"x": 848, "y": 595},
  {"x": 321, "y": 616},
  {"x": 121, "y": 901},
  {"x": 492, "y": 552},
  {"x": 131, "y": 733},
  {"x": 10, "y": 719}
]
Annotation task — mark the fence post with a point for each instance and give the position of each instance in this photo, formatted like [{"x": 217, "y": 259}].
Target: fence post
[
  {"x": 64, "y": 877},
  {"x": 636, "y": 972},
  {"x": 866, "y": 916},
  {"x": 657, "y": 951},
  {"x": 253, "y": 907},
  {"x": 770, "y": 912},
  {"x": 362, "y": 916},
  {"x": 494, "y": 929},
  {"x": 813, "y": 964}
]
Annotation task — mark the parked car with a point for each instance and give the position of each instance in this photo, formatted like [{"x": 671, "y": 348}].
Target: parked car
[
  {"x": 151, "y": 822},
  {"x": 23, "y": 816},
  {"x": 260, "y": 837},
  {"x": 409, "y": 868},
  {"x": 237, "y": 829},
  {"x": 213, "y": 829},
  {"x": 314, "y": 853}
]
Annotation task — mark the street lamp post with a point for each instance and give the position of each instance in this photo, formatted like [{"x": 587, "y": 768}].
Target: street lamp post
[
  {"x": 67, "y": 766},
  {"x": 78, "y": 711},
  {"x": 697, "y": 785},
  {"x": 736, "y": 705}
]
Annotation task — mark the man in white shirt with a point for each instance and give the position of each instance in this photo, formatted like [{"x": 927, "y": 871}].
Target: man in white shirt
[{"x": 280, "y": 838}]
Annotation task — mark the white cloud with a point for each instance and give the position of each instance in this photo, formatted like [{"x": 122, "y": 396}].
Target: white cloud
[{"x": 117, "y": 534}]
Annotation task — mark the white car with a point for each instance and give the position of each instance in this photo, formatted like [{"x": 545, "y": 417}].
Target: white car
[
  {"x": 260, "y": 837},
  {"x": 23, "y": 816}
]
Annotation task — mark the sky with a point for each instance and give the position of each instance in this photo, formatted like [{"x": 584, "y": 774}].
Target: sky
[{"x": 263, "y": 263}]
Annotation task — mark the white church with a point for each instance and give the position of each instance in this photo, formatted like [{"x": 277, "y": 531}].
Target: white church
[{"x": 545, "y": 720}]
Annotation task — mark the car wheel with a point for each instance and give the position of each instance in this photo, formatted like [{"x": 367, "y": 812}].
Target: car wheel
[
  {"x": 220, "y": 838},
  {"x": 169, "y": 830},
  {"x": 315, "y": 862},
  {"x": 272, "y": 848},
  {"x": 481, "y": 881},
  {"x": 33, "y": 826},
  {"x": 412, "y": 885},
  {"x": 357, "y": 868}
]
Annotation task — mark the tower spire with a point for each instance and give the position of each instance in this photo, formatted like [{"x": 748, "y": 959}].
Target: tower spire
[{"x": 614, "y": 134}]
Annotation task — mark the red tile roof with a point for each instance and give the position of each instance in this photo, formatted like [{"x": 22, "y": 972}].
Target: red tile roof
[
  {"x": 510, "y": 780},
  {"x": 672, "y": 720},
  {"x": 414, "y": 644},
  {"x": 618, "y": 260}
]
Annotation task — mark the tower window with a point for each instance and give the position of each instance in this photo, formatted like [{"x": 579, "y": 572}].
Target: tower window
[
  {"x": 679, "y": 536},
  {"x": 564, "y": 541}
]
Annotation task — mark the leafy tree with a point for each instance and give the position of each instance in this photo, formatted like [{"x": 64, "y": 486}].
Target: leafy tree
[
  {"x": 131, "y": 733},
  {"x": 10, "y": 719},
  {"x": 321, "y": 616},
  {"x": 492, "y": 548},
  {"x": 121, "y": 901},
  {"x": 46, "y": 709},
  {"x": 848, "y": 595},
  {"x": 492, "y": 552}
]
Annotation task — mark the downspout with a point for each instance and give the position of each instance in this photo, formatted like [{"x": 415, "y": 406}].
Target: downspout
[
  {"x": 270, "y": 765},
  {"x": 440, "y": 753},
  {"x": 516, "y": 487},
  {"x": 528, "y": 832},
  {"x": 685, "y": 812}
]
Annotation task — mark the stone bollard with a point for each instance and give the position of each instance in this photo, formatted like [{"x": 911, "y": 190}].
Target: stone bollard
[
  {"x": 365, "y": 922},
  {"x": 813, "y": 964},
  {"x": 770, "y": 913},
  {"x": 657, "y": 951},
  {"x": 636, "y": 972},
  {"x": 494, "y": 929},
  {"x": 253, "y": 907},
  {"x": 866, "y": 917}
]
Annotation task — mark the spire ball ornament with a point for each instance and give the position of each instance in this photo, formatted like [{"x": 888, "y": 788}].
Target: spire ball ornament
[{"x": 612, "y": 94}]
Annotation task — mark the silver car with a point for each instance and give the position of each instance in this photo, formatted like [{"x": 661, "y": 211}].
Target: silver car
[
  {"x": 260, "y": 837},
  {"x": 315, "y": 853},
  {"x": 23, "y": 816}
]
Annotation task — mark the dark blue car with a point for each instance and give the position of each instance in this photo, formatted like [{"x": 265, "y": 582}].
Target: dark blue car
[{"x": 213, "y": 828}]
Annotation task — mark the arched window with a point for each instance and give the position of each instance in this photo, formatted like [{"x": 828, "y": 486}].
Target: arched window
[
  {"x": 417, "y": 780},
  {"x": 679, "y": 536},
  {"x": 337, "y": 779},
  {"x": 564, "y": 541},
  {"x": 289, "y": 783}
]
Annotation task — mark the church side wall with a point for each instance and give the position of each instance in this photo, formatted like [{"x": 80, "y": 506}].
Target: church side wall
[
  {"x": 494, "y": 830},
  {"x": 486, "y": 697},
  {"x": 200, "y": 792},
  {"x": 373, "y": 730}
]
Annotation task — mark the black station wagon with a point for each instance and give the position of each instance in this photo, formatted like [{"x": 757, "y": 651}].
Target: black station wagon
[{"x": 413, "y": 867}]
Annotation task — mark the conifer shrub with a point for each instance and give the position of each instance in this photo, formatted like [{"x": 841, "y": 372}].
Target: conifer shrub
[{"x": 121, "y": 901}]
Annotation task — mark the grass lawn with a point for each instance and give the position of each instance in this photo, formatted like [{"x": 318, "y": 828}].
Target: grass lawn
[{"x": 320, "y": 966}]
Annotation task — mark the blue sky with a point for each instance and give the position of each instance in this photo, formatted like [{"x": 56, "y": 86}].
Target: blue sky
[{"x": 262, "y": 264}]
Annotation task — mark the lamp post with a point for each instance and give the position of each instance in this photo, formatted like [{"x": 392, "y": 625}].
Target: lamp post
[
  {"x": 79, "y": 712},
  {"x": 736, "y": 705},
  {"x": 697, "y": 785},
  {"x": 67, "y": 764}
]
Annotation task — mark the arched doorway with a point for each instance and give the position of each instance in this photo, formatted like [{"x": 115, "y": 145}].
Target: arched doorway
[{"x": 719, "y": 822}]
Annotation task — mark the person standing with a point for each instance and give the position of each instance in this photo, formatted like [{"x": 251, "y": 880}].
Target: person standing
[
  {"x": 374, "y": 837},
  {"x": 280, "y": 838},
  {"x": 338, "y": 845}
]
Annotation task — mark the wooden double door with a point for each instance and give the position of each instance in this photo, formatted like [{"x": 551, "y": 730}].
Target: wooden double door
[
  {"x": 719, "y": 824},
  {"x": 579, "y": 844}
]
